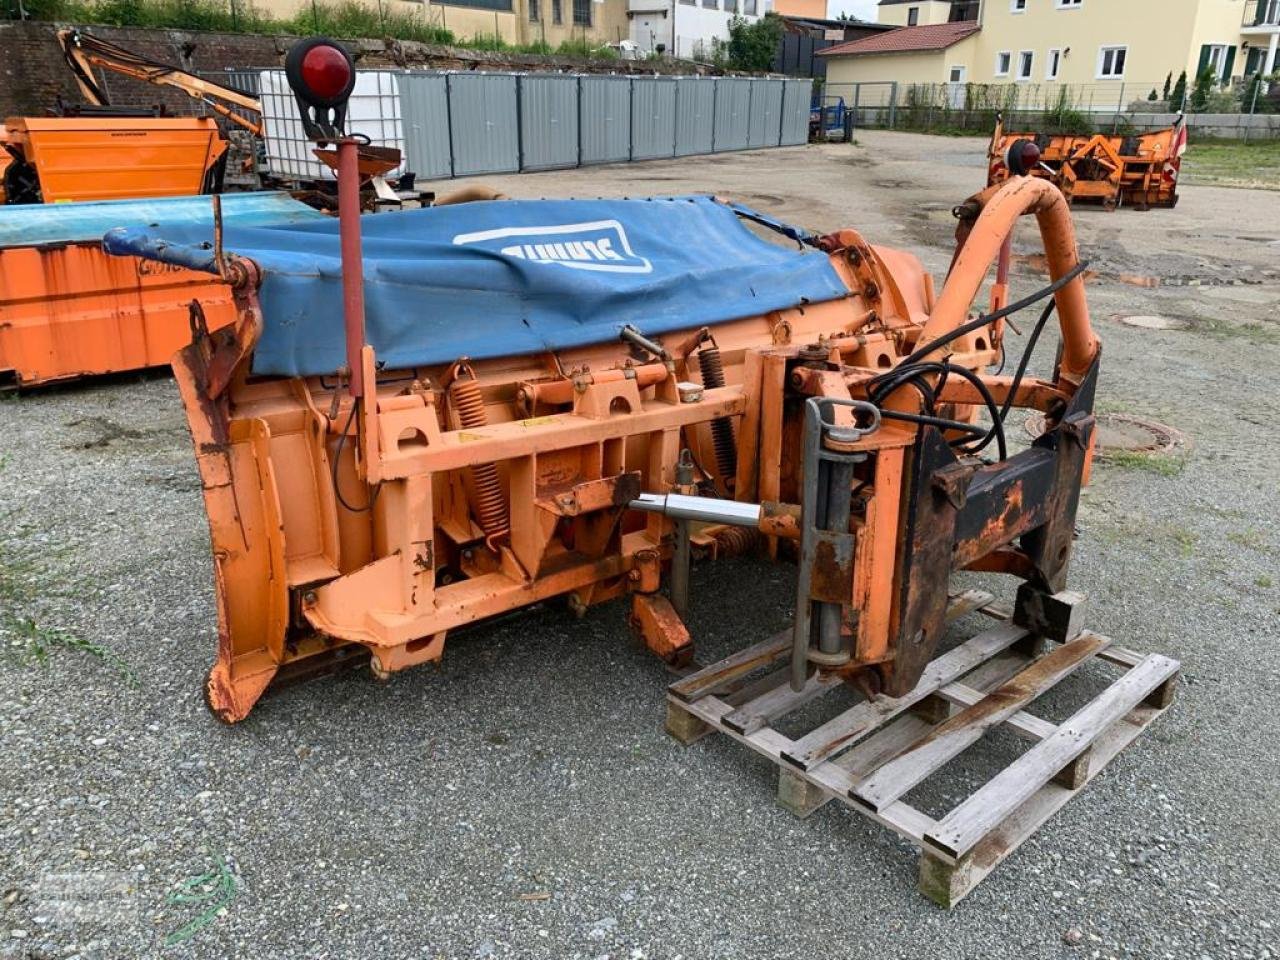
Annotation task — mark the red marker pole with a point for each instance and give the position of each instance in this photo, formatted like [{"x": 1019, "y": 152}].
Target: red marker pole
[{"x": 352, "y": 258}]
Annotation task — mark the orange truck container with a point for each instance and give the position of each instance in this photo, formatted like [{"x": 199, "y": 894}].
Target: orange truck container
[
  {"x": 69, "y": 310},
  {"x": 112, "y": 158}
]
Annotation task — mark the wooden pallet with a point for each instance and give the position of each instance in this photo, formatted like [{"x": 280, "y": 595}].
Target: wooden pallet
[{"x": 872, "y": 754}]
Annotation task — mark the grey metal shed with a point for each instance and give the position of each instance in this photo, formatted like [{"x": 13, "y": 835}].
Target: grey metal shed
[
  {"x": 766, "y": 113},
  {"x": 695, "y": 115},
  {"x": 604, "y": 119},
  {"x": 733, "y": 108},
  {"x": 548, "y": 121},
  {"x": 653, "y": 118},
  {"x": 797, "y": 95},
  {"x": 483, "y": 123},
  {"x": 424, "y": 110}
]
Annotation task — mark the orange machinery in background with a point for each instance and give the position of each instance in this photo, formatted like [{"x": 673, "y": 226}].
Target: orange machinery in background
[
  {"x": 68, "y": 159},
  {"x": 1139, "y": 171},
  {"x": 100, "y": 153},
  {"x": 67, "y": 309}
]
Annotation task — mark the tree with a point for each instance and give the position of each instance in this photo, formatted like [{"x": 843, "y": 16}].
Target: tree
[
  {"x": 1167, "y": 81},
  {"x": 754, "y": 46},
  {"x": 1205, "y": 82},
  {"x": 1179, "y": 92},
  {"x": 1153, "y": 96}
]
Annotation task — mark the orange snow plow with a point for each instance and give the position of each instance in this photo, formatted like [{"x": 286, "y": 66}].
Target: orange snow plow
[
  {"x": 1139, "y": 171},
  {"x": 421, "y": 422},
  {"x": 67, "y": 309}
]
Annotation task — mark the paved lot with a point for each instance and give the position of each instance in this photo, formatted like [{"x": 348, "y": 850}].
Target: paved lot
[{"x": 522, "y": 800}]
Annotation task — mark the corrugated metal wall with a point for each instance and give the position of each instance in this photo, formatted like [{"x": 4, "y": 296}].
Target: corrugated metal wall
[
  {"x": 733, "y": 112},
  {"x": 766, "y": 113},
  {"x": 464, "y": 124},
  {"x": 695, "y": 115},
  {"x": 653, "y": 118},
  {"x": 483, "y": 123},
  {"x": 548, "y": 122},
  {"x": 424, "y": 105},
  {"x": 797, "y": 96},
  {"x": 605, "y": 119}
]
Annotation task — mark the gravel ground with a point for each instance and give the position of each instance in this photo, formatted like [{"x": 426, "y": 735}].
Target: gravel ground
[{"x": 523, "y": 800}]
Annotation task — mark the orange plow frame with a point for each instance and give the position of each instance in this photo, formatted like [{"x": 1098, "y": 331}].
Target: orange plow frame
[
  {"x": 440, "y": 497},
  {"x": 1139, "y": 171}
]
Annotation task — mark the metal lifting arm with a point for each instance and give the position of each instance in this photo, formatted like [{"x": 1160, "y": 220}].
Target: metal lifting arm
[
  {"x": 1000, "y": 213},
  {"x": 84, "y": 52}
]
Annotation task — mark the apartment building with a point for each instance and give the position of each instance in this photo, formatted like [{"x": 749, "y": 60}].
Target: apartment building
[
  {"x": 1102, "y": 42},
  {"x": 688, "y": 28}
]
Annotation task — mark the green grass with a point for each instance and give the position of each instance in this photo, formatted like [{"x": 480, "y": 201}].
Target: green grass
[
  {"x": 344, "y": 19},
  {"x": 1234, "y": 164},
  {"x": 1159, "y": 464},
  {"x": 24, "y": 633}
]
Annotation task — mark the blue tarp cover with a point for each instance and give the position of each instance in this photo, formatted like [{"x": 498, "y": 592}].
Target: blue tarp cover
[
  {"x": 505, "y": 277},
  {"x": 39, "y": 223}
]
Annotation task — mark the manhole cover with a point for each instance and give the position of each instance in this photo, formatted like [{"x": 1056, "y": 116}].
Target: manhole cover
[
  {"x": 1151, "y": 321},
  {"x": 1123, "y": 433}
]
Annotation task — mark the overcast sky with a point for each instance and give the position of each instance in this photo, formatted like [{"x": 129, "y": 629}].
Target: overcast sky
[{"x": 862, "y": 9}]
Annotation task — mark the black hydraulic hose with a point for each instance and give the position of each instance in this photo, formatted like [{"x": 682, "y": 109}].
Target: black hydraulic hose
[{"x": 982, "y": 321}]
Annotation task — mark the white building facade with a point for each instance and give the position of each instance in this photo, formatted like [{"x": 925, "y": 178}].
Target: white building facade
[{"x": 688, "y": 28}]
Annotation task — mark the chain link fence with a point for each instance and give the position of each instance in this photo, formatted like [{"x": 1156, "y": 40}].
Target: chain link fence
[{"x": 1248, "y": 109}]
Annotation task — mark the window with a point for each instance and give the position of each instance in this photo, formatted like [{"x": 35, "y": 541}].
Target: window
[
  {"x": 582, "y": 13},
  {"x": 913, "y": 16},
  {"x": 956, "y": 75},
  {"x": 1069, "y": 4},
  {"x": 689, "y": 3},
  {"x": 1053, "y": 65},
  {"x": 711, "y": 4},
  {"x": 533, "y": 10},
  {"x": 749, "y": 8},
  {"x": 1025, "y": 61},
  {"x": 1003, "y": 59},
  {"x": 556, "y": 16},
  {"x": 1017, "y": 6},
  {"x": 1111, "y": 62}
]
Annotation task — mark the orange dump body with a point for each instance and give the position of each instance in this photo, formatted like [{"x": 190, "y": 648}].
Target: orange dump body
[
  {"x": 445, "y": 495},
  {"x": 69, "y": 310},
  {"x": 1139, "y": 171},
  {"x": 107, "y": 158}
]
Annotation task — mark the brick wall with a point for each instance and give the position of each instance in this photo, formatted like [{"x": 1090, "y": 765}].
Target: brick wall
[{"x": 33, "y": 73}]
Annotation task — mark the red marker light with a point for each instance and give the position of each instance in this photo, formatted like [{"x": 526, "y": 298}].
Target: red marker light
[{"x": 326, "y": 71}]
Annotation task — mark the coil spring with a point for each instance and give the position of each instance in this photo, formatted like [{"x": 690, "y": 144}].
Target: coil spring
[
  {"x": 736, "y": 541},
  {"x": 712, "y": 366},
  {"x": 490, "y": 505}
]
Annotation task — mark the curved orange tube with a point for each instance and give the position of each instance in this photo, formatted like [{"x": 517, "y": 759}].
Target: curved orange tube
[{"x": 999, "y": 215}]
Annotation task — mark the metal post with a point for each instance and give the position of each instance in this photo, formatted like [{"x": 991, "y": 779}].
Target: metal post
[
  {"x": 1115, "y": 123},
  {"x": 352, "y": 258},
  {"x": 1253, "y": 108},
  {"x": 682, "y": 553},
  {"x": 893, "y": 104}
]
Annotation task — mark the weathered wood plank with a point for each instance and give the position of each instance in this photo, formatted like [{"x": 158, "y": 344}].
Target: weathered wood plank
[
  {"x": 736, "y": 665},
  {"x": 946, "y": 880},
  {"x": 777, "y": 702},
  {"x": 845, "y": 729},
  {"x": 709, "y": 679},
  {"x": 901, "y": 818},
  {"x": 966, "y": 826},
  {"x": 948, "y": 739},
  {"x": 1024, "y": 724}
]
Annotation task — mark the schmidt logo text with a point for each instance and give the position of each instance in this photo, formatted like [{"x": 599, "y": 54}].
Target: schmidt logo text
[{"x": 601, "y": 245}]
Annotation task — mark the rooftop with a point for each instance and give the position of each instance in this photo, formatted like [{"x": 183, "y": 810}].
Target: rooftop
[{"x": 931, "y": 36}]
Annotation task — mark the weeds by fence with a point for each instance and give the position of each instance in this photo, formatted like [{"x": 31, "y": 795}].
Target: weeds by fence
[{"x": 346, "y": 19}]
